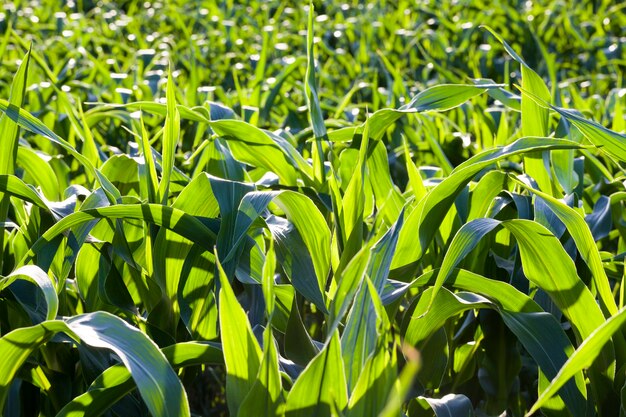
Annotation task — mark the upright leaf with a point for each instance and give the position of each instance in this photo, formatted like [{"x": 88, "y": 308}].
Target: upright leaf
[
  {"x": 313, "y": 102},
  {"x": 535, "y": 117},
  {"x": 321, "y": 387},
  {"x": 171, "y": 132},
  {"x": 242, "y": 354},
  {"x": 9, "y": 139}
]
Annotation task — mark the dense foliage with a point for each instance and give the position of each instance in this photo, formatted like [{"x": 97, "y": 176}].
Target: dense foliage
[{"x": 394, "y": 208}]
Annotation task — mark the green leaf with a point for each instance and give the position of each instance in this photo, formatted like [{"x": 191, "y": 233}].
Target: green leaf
[
  {"x": 15, "y": 187},
  {"x": 299, "y": 346},
  {"x": 403, "y": 384},
  {"x": 375, "y": 383},
  {"x": 535, "y": 117},
  {"x": 313, "y": 103},
  {"x": 606, "y": 140},
  {"x": 229, "y": 195},
  {"x": 9, "y": 129},
  {"x": 585, "y": 243},
  {"x": 255, "y": 147},
  {"x": 176, "y": 220},
  {"x": 147, "y": 167},
  {"x": 450, "y": 405},
  {"x": 444, "y": 305},
  {"x": 321, "y": 387},
  {"x": 116, "y": 382},
  {"x": 18, "y": 345},
  {"x": 539, "y": 332},
  {"x": 313, "y": 229},
  {"x": 172, "y": 251},
  {"x": 38, "y": 277},
  {"x": 242, "y": 354},
  {"x": 432, "y": 209},
  {"x": 446, "y": 97},
  {"x": 9, "y": 138},
  {"x": 583, "y": 357},
  {"x": 544, "y": 261},
  {"x": 266, "y": 394},
  {"x": 171, "y": 132},
  {"x": 359, "y": 337},
  {"x": 39, "y": 172},
  {"x": 438, "y": 98},
  {"x": 157, "y": 382},
  {"x": 195, "y": 114},
  {"x": 349, "y": 281},
  {"x": 32, "y": 124}
]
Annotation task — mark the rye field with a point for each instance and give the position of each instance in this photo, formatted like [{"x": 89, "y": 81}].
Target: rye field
[{"x": 383, "y": 208}]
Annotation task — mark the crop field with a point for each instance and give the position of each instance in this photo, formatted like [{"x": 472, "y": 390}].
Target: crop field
[{"x": 382, "y": 208}]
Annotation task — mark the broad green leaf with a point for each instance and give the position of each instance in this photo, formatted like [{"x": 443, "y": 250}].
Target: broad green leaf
[
  {"x": 229, "y": 195},
  {"x": 544, "y": 261},
  {"x": 116, "y": 382},
  {"x": 39, "y": 171},
  {"x": 450, "y": 405},
  {"x": 156, "y": 381},
  {"x": 32, "y": 124},
  {"x": 432, "y": 209},
  {"x": 253, "y": 146},
  {"x": 38, "y": 277},
  {"x": 196, "y": 114},
  {"x": 403, "y": 384},
  {"x": 176, "y": 220},
  {"x": 196, "y": 297},
  {"x": 242, "y": 354},
  {"x": 438, "y": 98},
  {"x": 266, "y": 395},
  {"x": 170, "y": 248},
  {"x": 360, "y": 334},
  {"x": 583, "y": 357},
  {"x": 389, "y": 201},
  {"x": 374, "y": 384},
  {"x": 15, "y": 187},
  {"x": 445, "y": 97},
  {"x": 299, "y": 346},
  {"x": 351, "y": 207},
  {"x": 606, "y": 140},
  {"x": 539, "y": 332},
  {"x": 585, "y": 244},
  {"x": 489, "y": 186},
  {"x": 269, "y": 268},
  {"x": 321, "y": 387},
  {"x": 18, "y": 345},
  {"x": 422, "y": 323},
  {"x": 313, "y": 229},
  {"x": 349, "y": 281},
  {"x": 147, "y": 167},
  {"x": 295, "y": 260},
  {"x": 535, "y": 117},
  {"x": 415, "y": 178},
  {"x": 158, "y": 384}
]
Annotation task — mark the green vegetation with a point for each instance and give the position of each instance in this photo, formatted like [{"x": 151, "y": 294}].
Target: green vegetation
[{"x": 268, "y": 209}]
